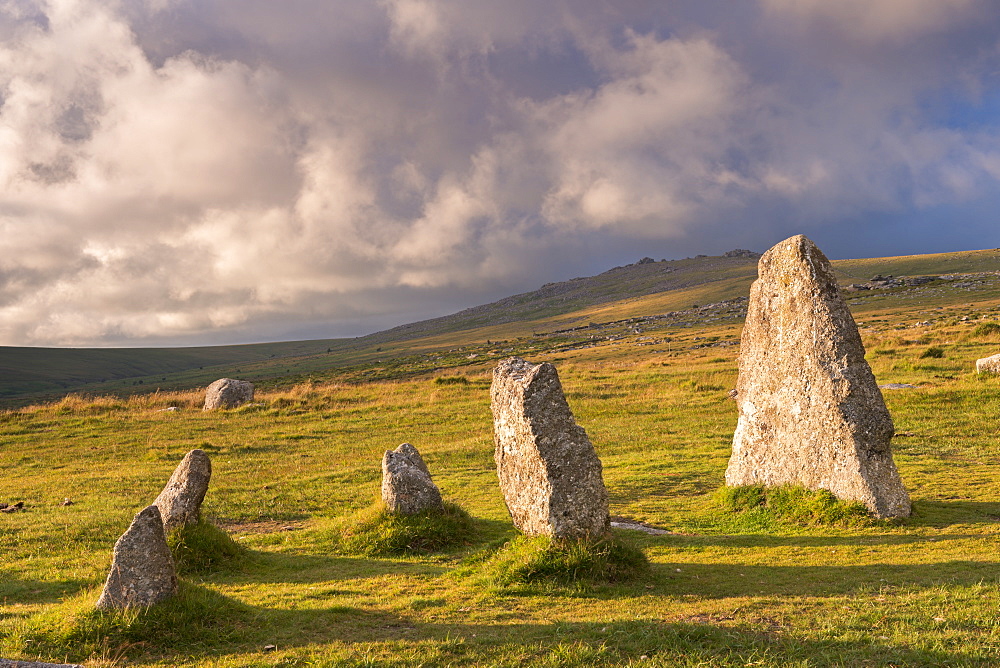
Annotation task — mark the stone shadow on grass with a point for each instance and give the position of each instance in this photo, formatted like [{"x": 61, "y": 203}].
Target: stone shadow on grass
[
  {"x": 701, "y": 641},
  {"x": 274, "y": 568},
  {"x": 721, "y": 580},
  {"x": 39, "y": 591},
  {"x": 209, "y": 625},
  {"x": 934, "y": 513},
  {"x": 624, "y": 643},
  {"x": 753, "y": 541}
]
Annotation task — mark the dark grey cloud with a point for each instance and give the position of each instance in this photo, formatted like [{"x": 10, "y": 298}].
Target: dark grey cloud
[{"x": 186, "y": 171}]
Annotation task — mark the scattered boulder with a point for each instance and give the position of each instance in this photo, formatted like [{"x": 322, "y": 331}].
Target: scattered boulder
[
  {"x": 142, "y": 569},
  {"x": 549, "y": 473},
  {"x": 228, "y": 393},
  {"x": 989, "y": 364},
  {"x": 11, "y": 508},
  {"x": 810, "y": 411},
  {"x": 741, "y": 252},
  {"x": 180, "y": 501},
  {"x": 407, "y": 487}
]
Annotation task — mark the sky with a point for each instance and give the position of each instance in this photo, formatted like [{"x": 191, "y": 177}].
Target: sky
[{"x": 198, "y": 172}]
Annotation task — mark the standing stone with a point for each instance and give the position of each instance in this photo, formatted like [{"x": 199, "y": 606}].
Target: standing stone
[
  {"x": 228, "y": 393},
  {"x": 180, "y": 501},
  {"x": 142, "y": 569},
  {"x": 989, "y": 364},
  {"x": 549, "y": 473},
  {"x": 407, "y": 487},
  {"x": 810, "y": 412}
]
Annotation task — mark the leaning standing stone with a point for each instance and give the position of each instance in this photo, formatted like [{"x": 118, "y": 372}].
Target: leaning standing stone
[
  {"x": 810, "y": 412},
  {"x": 549, "y": 473},
  {"x": 228, "y": 393},
  {"x": 989, "y": 364},
  {"x": 142, "y": 569},
  {"x": 407, "y": 487},
  {"x": 180, "y": 501}
]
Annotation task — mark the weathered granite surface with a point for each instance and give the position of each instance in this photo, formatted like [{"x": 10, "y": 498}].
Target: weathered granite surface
[
  {"x": 142, "y": 569},
  {"x": 550, "y": 475},
  {"x": 810, "y": 411},
  {"x": 180, "y": 501},
  {"x": 989, "y": 364},
  {"x": 228, "y": 393},
  {"x": 407, "y": 487}
]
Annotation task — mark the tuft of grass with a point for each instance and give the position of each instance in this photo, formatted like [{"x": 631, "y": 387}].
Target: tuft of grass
[
  {"x": 76, "y": 630},
  {"x": 796, "y": 504},
  {"x": 451, "y": 380},
  {"x": 204, "y": 548},
  {"x": 377, "y": 532},
  {"x": 533, "y": 559},
  {"x": 935, "y": 352},
  {"x": 986, "y": 329}
]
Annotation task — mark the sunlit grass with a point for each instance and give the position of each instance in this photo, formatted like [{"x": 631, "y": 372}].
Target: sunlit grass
[{"x": 755, "y": 587}]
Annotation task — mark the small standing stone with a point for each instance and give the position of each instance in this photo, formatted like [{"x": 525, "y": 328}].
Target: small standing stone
[
  {"x": 810, "y": 411},
  {"x": 407, "y": 487},
  {"x": 550, "y": 475},
  {"x": 228, "y": 393},
  {"x": 989, "y": 364},
  {"x": 180, "y": 501},
  {"x": 142, "y": 569}
]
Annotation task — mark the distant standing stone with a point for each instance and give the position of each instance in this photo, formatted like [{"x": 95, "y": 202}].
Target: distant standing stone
[
  {"x": 407, "y": 487},
  {"x": 180, "y": 501},
  {"x": 989, "y": 364},
  {"x": 228, "y": 393},
  {"x": 142, "y": 570},
  {"x": 810, "y": 411},
  {"x": 549, "y": 473}
]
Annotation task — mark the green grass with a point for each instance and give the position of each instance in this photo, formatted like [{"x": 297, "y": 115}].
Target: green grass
[
  {"x": 75, "y": 630},
  {"x": 377, "y": 532},
  {"x": 932, "y": 352},
  {"x": 986, "y": 329},
  {"x": 204, "y": 548},
  {"x": 790, "y": 503},
  {"x": 763, "y": 586},
  {"x": 534, "y": 559}
]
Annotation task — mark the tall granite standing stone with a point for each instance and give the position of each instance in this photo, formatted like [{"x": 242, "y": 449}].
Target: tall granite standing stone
[
  {"x": 810, "y": 411},
  {"x": 228, "y": 393},
  {"x": 142, "y": 569},
  {"x": 180, "y": 501},
  {"x": 549, "y": 473},
  {"x": 407, "y": 487}
]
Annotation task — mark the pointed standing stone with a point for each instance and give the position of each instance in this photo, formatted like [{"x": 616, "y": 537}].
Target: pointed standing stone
[
  {"x": 549, "y": 473},
  {"x": 142, "y": 569},
  {"x": 228, "y": 393},
  {"x": 180, "y": 501},
  {"x": 810, "y": 411},
  {"x": 407, "y": 487}
]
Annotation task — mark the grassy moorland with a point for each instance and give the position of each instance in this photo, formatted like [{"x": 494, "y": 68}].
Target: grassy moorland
[
  {"x": 30, "y": 375},
  {"x": 724, "y": 589}
]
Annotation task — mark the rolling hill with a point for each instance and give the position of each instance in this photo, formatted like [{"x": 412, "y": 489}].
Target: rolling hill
[{"x": 645, "y": 288}]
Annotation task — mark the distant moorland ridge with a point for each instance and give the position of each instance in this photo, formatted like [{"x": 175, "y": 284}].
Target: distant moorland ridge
[{"x": 30, "y": 373}]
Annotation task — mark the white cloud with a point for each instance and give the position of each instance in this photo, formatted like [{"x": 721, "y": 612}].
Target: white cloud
[{"x": 641, "y": 148}]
